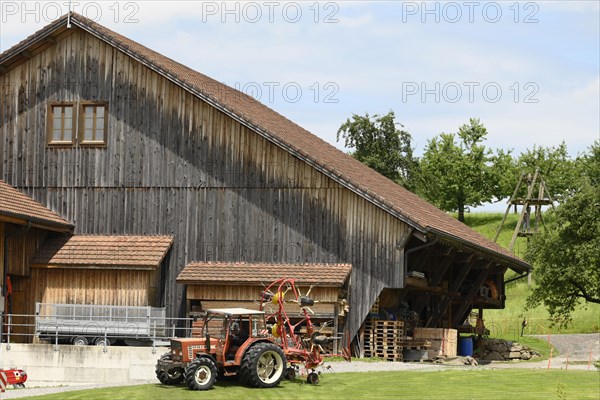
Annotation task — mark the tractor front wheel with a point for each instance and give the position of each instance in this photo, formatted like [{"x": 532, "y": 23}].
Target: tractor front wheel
[
  {"x": 263, "y": 366},
  {"x": 171, "y": 376},
  {"x": 201, "y": 374}
]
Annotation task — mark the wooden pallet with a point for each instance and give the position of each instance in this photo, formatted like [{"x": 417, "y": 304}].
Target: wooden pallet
[{"x": 383, "y": 339}]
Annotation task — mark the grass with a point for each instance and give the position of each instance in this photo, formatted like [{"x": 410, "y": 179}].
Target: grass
[
  {"x": 449, "y": 384},
  {"x": 506, "y": 323}
]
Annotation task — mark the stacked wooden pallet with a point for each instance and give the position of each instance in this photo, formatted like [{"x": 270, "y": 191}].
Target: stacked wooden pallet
[{"x": 383, "y": 339}]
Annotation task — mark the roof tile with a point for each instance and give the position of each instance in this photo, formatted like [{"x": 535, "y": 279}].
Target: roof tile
[
  {"x": 14, "y": 203},
  {"x": 324, "y": 274},
  {"x": 102, "y": 251}
]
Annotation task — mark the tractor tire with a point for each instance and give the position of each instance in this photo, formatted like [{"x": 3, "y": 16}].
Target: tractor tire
[
  {"x": 263, "y": 366},
  {"x": 173, "y": 376},
  {"x": 201, "y": 374}
]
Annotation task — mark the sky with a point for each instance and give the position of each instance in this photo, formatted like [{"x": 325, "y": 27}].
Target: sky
[{"x": 530, "y": 71}]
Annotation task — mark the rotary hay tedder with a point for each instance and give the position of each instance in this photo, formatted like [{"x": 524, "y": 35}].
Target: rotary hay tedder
[{"x": 238, "y": 342}]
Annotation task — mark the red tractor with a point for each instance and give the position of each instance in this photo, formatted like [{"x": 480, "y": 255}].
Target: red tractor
[{"x": 237, "y": 342}]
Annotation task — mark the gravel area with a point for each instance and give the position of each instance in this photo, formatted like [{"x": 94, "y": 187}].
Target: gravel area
[{"x": 577, "y": 346}]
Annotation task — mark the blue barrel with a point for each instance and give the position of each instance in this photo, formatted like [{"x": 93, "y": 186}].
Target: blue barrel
[{"x": 465, "y": 346}]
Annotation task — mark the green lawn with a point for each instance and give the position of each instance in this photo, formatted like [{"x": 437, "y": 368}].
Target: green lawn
[{"x": 453, "y": 384}]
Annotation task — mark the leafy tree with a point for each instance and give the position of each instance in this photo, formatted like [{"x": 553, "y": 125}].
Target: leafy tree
[
  {"x": 455, "y": 176},
  {"x": 566, "y": 258},
  {"x": 558, "y": 169},
  {"x": 378, "y": 143}
]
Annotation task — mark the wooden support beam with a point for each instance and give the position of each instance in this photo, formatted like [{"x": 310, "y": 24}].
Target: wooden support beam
[
  {"x": 435, "y": 280},
  {"x": 510, "y": 202},
  {"x": 435, "y": 318},
  {"x": 459, "y": 315}
]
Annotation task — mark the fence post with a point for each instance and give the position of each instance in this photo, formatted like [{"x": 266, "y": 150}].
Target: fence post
[
  {"x": 154, "y": 337},
  {"x": 8, "y": 332},
  {"x": 56, "y": 337},
  {"x": 104, "y": 350}
]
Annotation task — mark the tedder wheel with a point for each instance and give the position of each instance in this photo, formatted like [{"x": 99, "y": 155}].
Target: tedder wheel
[
  {"x": 312, "y": 378},
  {"x": 290, "y": 373},
  {"x": 79, "y": 341},
  {"x": 172, "y": 376},
  {"x": 201, "y": 374},
  {"x": 263, "y": 366}
]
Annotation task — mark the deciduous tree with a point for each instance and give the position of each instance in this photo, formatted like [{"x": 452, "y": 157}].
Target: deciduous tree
[
  {"x": 566, "y": 258},
  {"x": 459, "y": 174},
  {"x": 381, "y": 145}
]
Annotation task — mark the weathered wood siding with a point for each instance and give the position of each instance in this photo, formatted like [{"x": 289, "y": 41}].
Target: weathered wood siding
[
  {"x": 112, "y": 287},
  {"x": 174, "y": 165},
  {"x": 252, "y": 293},
  {"x": 21, "y": 248}
]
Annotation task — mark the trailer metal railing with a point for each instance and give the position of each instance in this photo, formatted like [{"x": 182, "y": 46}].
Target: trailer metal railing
[{"x": 152, "y": 330}]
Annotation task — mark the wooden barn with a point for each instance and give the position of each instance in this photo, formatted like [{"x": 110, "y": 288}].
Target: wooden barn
[{"x": 121, "y": 140}]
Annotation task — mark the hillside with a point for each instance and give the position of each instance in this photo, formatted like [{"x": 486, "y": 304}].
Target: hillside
[{"x": 507, "y": 323}]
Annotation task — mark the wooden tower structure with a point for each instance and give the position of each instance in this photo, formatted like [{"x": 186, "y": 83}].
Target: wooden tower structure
[{"x": 525, "y": 226}]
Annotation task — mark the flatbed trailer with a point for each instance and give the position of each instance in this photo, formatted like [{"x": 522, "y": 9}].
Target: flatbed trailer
[{"x": 82, "y": 324}]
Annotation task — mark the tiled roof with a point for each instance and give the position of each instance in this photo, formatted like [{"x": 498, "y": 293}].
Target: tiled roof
[
  {"x": 16, "y": 204},
  {"x": 334, "y": 163},
  {"x": 71, "y": 251},
  {"x": 324, "y": 274}
]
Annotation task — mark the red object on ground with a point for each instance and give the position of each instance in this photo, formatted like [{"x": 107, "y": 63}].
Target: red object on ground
[{"x": 15, "y": 376}]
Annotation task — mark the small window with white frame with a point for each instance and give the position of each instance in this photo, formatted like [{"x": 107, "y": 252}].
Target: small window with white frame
[
  {"x": 61, "y": 124},
  {"x": 93, "y": 124}
]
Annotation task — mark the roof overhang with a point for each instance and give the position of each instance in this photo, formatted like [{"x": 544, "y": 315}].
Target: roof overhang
[{"x": 513, "y": 263}]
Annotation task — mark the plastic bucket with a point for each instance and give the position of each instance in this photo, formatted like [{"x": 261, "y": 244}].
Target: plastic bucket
[{"x": 465, "y": 346}]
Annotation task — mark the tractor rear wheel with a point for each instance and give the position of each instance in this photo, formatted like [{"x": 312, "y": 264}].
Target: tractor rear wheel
[
  {"x": 263, "y": 366},
  {"x": 201, "y": 374},
  {"x": 172, "y": 376}
]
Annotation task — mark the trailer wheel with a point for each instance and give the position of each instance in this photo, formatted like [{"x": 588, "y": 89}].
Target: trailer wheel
[
  {"x": 201, "y": 374},
  {"x": 263, "y": 366},
  {"x": 79, "y": 341},
  {"x": 100, "y": 341}
]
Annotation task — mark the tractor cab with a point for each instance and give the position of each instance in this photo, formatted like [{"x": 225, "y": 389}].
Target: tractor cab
[{"x": 235, "y": 329}]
